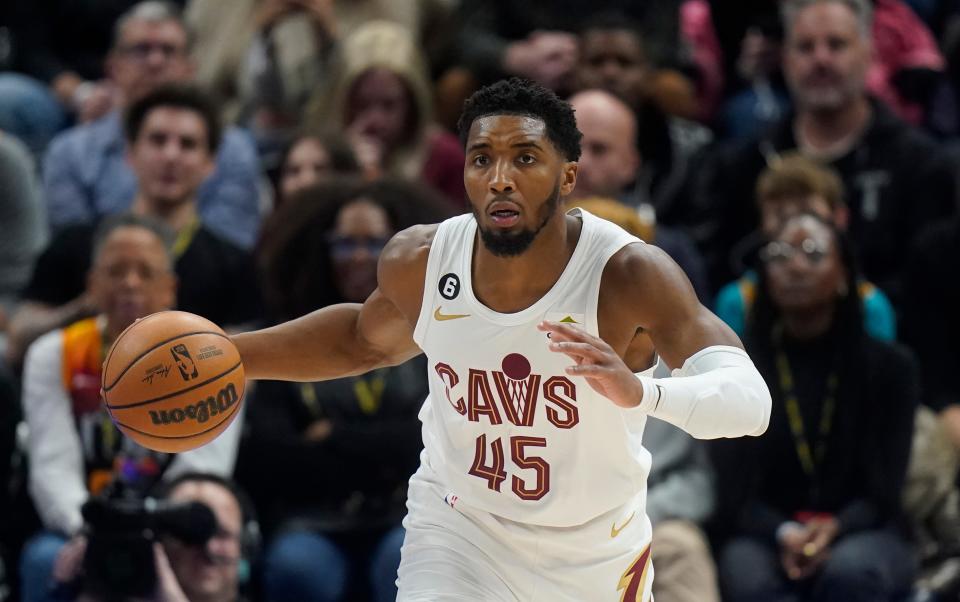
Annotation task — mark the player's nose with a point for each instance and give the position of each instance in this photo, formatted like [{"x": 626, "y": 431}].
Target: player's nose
[{"x": 501, "y": 177}]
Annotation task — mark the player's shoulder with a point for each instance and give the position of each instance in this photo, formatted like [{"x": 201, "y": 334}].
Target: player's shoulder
[
  {"x": 409, "y": 246},
  {"x": 403, "y": 262},
  {"x": 403, "y": 267},
  {"x": 646, "y": 276},
  {"x": 638, "y": 263}
]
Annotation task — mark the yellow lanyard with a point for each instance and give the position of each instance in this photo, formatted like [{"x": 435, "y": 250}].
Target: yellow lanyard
[
  {"x": 185, "y": 237},
  {"x": 368, "y": 390},
  {"x": 309, "y": 397},
  {"x": 808, "y": 460}
]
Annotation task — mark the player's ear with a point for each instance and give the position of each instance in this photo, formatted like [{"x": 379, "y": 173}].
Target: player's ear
[{"x": 568, "y": 177}]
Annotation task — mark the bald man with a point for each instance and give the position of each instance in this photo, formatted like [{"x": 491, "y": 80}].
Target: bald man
[
  {"x": 610, "y": 160},
  {"x": 609, "y": 167}
]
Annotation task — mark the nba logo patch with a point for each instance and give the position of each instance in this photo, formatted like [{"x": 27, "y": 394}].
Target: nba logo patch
[{"x": 451, "y": 500}]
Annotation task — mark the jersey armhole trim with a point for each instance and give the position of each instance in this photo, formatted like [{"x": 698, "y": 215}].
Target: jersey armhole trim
[
  {"x": 593, "y": 302},
  {"x": 433, "y": 265}
]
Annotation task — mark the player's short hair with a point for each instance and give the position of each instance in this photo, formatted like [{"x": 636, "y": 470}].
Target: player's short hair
[
  {"x": 795, "y": 177},
  {"x": 861, "y": 9},
  {"x": 178, "y": 96},
  {"x": 517, "y": 96},
  {"x": 130, "y": 220}
]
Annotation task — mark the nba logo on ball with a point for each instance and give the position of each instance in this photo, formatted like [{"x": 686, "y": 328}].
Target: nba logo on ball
[
  {"x": 172, "y": 414},
  {"x": 188, "y": 369}
]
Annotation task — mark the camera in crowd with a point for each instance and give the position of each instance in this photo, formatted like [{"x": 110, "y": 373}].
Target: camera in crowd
[{"x": 119, "y": 560}]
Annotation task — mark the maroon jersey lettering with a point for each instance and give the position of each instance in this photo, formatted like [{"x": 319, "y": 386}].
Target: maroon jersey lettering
[
  {"x": 518, "y": 397},
  {"x": 560, "y": 397},
  {"x": 480, "y": 399},
  {"x": 450, "y": 380}
]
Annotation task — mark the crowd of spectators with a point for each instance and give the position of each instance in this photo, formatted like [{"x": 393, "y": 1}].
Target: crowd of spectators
[{"x": 798, "y": 159}]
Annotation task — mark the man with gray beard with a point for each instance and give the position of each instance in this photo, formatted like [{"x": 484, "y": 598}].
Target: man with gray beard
[{"x": 897, "y": 179}]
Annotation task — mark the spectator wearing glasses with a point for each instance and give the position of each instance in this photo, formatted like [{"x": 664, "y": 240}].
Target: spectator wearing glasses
[
  {"x": 85, "y": 173},
  {"x": 55, "y": 51},
  {"x": 795, "y": 184},
  {"x": 813, "y": 508},
  {"x": 336, "y": 533}
]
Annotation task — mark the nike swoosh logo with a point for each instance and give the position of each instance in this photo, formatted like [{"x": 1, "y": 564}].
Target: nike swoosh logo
[
  {"x": 439, "y": 317},
  {"x": 614, "y": 531}
]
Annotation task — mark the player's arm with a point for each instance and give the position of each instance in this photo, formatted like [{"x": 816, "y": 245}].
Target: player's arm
[
  {"x": 349, "y": 338},
  {"x": 715, "y": 391}
]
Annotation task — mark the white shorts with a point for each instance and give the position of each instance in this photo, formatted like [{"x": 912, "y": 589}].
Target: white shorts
[{"x": 455, "y": 552}]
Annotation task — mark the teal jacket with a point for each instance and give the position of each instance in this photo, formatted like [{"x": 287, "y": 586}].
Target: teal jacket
[{"x": 736, "y": 298}]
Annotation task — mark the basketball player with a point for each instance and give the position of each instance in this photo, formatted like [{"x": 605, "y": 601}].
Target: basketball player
[{"x": 532, "y": 480}]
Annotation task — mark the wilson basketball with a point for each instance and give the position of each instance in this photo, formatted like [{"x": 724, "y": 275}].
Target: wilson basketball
[{"x": 172, "y": 381}]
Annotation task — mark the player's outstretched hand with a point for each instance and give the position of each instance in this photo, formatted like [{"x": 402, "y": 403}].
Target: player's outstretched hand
[{"x": 596, "y": 361}]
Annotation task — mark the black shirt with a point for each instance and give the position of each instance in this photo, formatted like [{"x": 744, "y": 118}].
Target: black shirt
[
  {"x": 896, "y": 179},
  {"x": 763, "y": 482},
  {"x": 216, "y": 279},
  {"x": 356, "y": 478},
  {"x": 931, "y": 315}
]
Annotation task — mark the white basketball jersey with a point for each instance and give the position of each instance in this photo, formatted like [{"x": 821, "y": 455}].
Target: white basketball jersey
[{"x": 505, "y": 428}]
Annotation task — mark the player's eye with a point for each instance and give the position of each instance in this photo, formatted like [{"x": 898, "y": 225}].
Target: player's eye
[
  {"x": 480, "y": 161},
  {"x": 527, "y": 159}
]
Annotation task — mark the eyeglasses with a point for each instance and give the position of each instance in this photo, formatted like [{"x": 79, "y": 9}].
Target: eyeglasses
[
  {"x": 141, "y": 52},
  {"x": 778, "y": 251},
  {"x": 118, "y": 272},
  {"x": 343, "y": 247}
]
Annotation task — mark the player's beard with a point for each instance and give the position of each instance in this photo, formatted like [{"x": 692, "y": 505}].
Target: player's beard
[{"x": 511, "y": 244}]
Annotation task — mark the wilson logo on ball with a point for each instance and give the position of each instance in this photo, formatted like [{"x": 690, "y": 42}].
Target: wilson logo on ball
[
  {"x": 200, "y": 411},
  {"x": 188, "y": 369}
]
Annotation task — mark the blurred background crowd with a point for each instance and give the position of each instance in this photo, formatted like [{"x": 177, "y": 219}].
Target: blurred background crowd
[{"x": 247, "y": 160}]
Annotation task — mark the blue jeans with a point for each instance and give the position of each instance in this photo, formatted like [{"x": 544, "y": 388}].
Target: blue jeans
[
  {"x": 870, "y": 566},
  {"x": 305, "y": 565},
  {"x": 29, "y": 111},
  {"x": 36, "y": 567}
]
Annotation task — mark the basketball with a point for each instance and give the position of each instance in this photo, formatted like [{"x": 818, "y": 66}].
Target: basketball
[{"x": 172, "y": 381}]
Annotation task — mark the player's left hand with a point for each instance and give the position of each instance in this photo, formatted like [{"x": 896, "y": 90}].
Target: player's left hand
[{"x": 597, "y": 362}]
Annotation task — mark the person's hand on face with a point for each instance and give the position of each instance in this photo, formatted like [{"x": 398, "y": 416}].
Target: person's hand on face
[
  {"x": 369, "y": 150},
  {"x": 96, "y": 101},
  {"x": 548, "y": 57}
]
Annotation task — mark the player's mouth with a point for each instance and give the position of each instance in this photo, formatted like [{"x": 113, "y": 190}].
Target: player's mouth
[{"x": 504, "y": 214}]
